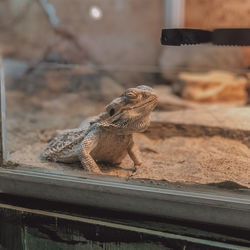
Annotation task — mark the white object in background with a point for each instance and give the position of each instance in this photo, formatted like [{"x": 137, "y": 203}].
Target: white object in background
[
  {"x": 174, "y": 13},
  {"x": 95, "y": 12}
]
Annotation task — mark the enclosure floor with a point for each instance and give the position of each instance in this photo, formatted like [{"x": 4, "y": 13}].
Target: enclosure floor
[
  {"x": 178, "y": 159},
  {"x": 32, "y": 120}
]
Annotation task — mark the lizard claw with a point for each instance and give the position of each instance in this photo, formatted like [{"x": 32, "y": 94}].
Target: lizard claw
[
  {"x": 134, "y": 170},
  {"x": 132, "y": 174}
]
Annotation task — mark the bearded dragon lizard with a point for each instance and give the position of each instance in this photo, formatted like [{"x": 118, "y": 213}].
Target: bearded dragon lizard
[{"x": 109, "y": 137}]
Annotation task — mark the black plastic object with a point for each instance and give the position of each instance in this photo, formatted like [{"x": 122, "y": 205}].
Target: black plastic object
[
  {"x": 233, "y": 37},
  {"x": 237, "y": 37},
  {"x": 177, "y": 37}
]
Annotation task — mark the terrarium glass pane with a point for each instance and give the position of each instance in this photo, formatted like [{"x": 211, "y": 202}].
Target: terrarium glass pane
[{"x": 65, "y": 63}]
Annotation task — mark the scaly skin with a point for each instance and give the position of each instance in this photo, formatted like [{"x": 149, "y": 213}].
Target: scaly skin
[{"x": 109, "y": 137}]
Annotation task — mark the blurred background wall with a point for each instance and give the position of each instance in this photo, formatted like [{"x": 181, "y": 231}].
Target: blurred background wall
[
  {"x": 212, "y": 14},
  {"x": 128, "y": 32}
]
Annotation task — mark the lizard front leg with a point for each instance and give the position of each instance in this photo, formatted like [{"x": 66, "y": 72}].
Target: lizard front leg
[
  {"x": 87, "y": 145},
  {"x": 134, "y": 154}
]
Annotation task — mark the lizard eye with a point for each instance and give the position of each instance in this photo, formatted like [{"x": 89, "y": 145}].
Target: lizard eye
[
  {"x": 131, "y": 94},
  {"x": 111, "y": 112}
]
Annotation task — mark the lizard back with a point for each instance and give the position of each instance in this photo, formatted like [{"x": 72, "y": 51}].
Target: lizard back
[{"x": 61, "y": 145}]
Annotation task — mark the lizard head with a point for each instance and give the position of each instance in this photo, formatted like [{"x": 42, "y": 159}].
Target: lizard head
[{"x": 131, "y": 111}]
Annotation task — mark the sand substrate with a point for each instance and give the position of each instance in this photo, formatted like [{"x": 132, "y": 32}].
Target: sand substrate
[
  {"x": 178, "y": 159},
  {"x": 32, "y": 120}
]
